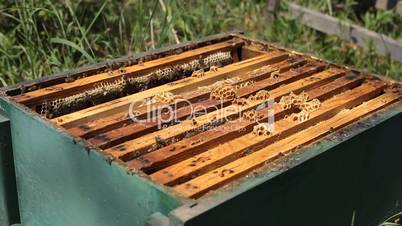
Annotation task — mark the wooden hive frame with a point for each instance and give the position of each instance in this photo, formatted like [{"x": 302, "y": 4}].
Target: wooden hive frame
[{"x": 200, "y": 154}]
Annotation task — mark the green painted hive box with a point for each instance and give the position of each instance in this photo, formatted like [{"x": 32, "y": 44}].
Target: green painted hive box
[{"x": 225, "y": 130}]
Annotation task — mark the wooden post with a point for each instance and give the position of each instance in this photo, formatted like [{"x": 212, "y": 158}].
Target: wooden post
[
  {"x": 381, "y": 4},
  {"x": 386, "y": 4},
  {"x": 271, "y": 8},
  {"x": 399, "y": 7},
  {"x": 273, "y": 5},
  {"x": 349, "y": 32}
]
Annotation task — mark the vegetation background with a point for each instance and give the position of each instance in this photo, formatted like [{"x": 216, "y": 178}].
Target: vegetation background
[{"x": 40, "y": 37}]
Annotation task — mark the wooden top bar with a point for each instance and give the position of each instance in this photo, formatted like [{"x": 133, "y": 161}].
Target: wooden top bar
[
  {"x": 224, "y": 174},
  {"x": 233, "y": 149},
  {"x": 134, "y": 130},
  {"x": 122, "y": 104},
  {"x": 140, "y": 145},
  {"x": 69, "y": 88},
  {"x": 88, "y": 130},
  {"x": 187, "y": 147},
  {"x": 207, "y": 113}
]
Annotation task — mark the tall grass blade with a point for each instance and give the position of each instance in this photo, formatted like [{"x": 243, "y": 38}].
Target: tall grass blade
[{"x": 74, "y": 46}]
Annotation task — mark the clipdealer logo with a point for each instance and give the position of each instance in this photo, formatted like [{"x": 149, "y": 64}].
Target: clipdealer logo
[{"x": 163, "y": 115}]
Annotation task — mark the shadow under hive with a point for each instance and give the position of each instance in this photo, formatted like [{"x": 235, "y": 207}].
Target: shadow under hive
[{"x": 239, "y": 86}]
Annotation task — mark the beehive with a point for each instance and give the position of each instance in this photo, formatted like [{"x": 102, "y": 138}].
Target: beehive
[{"x": 198, "y": 123}]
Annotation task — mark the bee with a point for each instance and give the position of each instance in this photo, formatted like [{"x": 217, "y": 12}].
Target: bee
[
  {"x": 141, "y": 62},
  {"x": 69, "y": 79},
  {"x": 194, "y": 122},
  {"x": 213, "y": 68},
  {"x": 122, "y": 70},
  {"x": 198, "y": 74}
]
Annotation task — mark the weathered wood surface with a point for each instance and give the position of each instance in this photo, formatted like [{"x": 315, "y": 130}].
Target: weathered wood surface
[
  {"x": 190, "y": 83},
  {"x": 387, "y": 4},
  {"x": 94, "y": 127},
  {"x": 187, "y": 147},
  {"x": 248, "y": 143},
  {"x": 346, "y": 31},
  {"x": 399, "y": 7},
  {"x": 142, "y": 144},
  {"x": 238, "y": 168},
  {"x": 69, "y": 88},
  {"x": 133, "y": 130},
  {"x": 273, "y": 5}
]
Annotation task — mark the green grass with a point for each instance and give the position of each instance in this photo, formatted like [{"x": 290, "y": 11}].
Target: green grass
[
  {"x": 331, "y": 47},
  {"x": 394, "y": 220},
  {"x": 41, "y": 37}
]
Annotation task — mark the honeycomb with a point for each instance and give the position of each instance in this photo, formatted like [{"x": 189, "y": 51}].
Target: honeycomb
[
  {"x": 300, "y": 102},
  {"x": 165, "y": 97},
  {"x": 240, "y": 101},
  {"x": 275, "y": 75},
  {"x": 217, "y": 59},
  {"x": 224, "y": 92},
  {"x": 252, "y": 115},
  {"x": 110, "y": 90},
  {"x": 167, "y": 72},
  {"x": 300, "y": 99},
  {"x": 260, "y": 95},
  {"x": 261, "y": 130},
  {"x": 292, "y": 99},
  {"x": 245, "y": 84},
  {"x": 301, "y": 116},
  {"x": 310, "y": 106},
  {"x": 101, "y": 92},
  {"x": 286, "y": 102}
]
